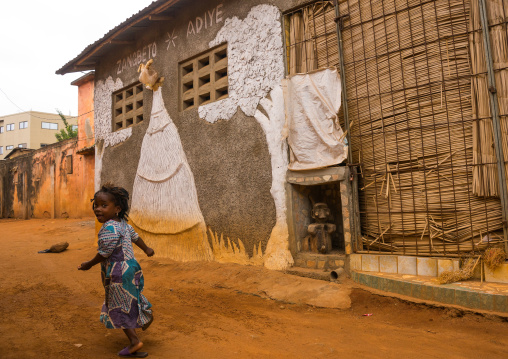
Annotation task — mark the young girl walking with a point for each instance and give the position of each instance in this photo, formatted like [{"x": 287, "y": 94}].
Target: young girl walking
[{"x": 125, "y": 307}]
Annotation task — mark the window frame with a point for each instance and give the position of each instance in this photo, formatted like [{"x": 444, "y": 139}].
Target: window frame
[
  {"x": 127, "y": 108},
  {"x": 10, "y": 147},
  {"x": 49, "y": 125},
  {"x": 10, "y": 127},
  {"x": 22, "y": 125},
  {"x": 204, "y": 78}
]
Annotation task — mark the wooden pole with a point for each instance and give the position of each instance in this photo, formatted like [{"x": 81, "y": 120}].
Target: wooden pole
[{"x": 496, "y": 126}]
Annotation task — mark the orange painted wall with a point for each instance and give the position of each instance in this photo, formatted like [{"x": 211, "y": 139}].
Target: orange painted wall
[
  {"x": 52, "y": 182},
  {"x": 86, "y": 131},
  {"x": 61, "y": 188}
]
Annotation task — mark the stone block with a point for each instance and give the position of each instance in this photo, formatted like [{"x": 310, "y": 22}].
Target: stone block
[
  {"x": 406, "y": 265},
  {"x": 370, "y": 263},
  {"x": 444, "y": 265},
  {"x": 311, "y": 264},
  {"x": 365, "y": 279},
  {"x": 444, "y": 295},
  {"x": 477, "y": 273},
  {"x": 462, "y": 298},
  {"x": 339, "y": 263},
  {"x": 355, "y": 262},
  {"x": 484, "y": 301},
  {"x": 348, "y": 248},
  {"x": 500, "y": 275},
  {"x": 321, "y": 264},
  {"x": 422, "y": 291},
  {"x": 456, "y": 264},
  {"x": 388, "y": 264},
  {"x": 345, "y": 200},
  {"x": 474, "y": 299},
  {"x": 426, "y": 266},
  {"x": 299, "y": 262},
  {"x": 386, "y": 284},
  {"x": 500, "y": 303},
  {"x": 403, "y": 288}
]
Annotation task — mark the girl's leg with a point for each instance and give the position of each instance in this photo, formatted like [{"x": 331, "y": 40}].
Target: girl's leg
[{"x": 136, "y": 344}]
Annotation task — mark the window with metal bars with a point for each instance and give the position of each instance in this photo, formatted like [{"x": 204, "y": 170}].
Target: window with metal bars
[
  {"x": 204, "y": 78},
  {"x": 311, "y": 37},
  {"x": 128, "y": 106}
]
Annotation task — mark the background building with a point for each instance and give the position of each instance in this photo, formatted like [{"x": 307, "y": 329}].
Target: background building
[
  {"x": 55, "y": 181},
  {"x": 29, "y": 129}
]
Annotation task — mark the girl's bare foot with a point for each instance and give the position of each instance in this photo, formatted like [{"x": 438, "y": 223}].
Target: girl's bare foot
[{"x": 135, "y": 347}]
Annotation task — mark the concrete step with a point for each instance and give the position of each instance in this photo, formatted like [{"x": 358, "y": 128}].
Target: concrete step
[{"x": 331, "y": 261}]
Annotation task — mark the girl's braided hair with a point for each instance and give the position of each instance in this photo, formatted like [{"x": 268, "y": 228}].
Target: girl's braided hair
[{"x": 120, "y": 196}]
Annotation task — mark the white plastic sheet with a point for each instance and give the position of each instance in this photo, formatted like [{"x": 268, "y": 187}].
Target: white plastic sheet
[{"x": 312, "y": 102}]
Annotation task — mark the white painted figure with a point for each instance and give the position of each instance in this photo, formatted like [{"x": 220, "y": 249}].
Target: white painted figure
[{"x": 164, "y": 199}]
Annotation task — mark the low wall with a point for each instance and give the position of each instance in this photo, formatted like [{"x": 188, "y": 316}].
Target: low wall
[{"x": 421, "y": 266}]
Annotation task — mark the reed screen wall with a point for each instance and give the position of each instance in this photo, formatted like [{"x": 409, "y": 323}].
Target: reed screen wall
[
  {"x": 421, "y": 126},
  {"x": 409, "y": 80}
]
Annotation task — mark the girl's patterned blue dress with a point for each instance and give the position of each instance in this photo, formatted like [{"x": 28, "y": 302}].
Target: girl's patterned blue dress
[{"x": 125, "y": 306}]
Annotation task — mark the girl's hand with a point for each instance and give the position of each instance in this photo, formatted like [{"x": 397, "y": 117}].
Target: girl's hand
[
  {"x": 149, "y": 252},
  {"x": 85, "y": 266}
]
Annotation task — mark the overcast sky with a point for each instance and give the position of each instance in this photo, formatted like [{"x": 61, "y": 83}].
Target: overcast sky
[{"x": 39, "y": 37}]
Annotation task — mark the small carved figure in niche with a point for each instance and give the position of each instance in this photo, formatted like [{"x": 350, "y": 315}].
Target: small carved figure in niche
[{"x": 319, "y": 238}]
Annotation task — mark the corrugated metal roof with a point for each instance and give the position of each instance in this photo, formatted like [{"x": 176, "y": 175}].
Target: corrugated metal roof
[
  {"x": 79, "y": 63},
  {"x": 86, "y": 77}
]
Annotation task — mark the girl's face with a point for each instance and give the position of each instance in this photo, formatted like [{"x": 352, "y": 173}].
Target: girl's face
[{"x": 105, "y": 207}]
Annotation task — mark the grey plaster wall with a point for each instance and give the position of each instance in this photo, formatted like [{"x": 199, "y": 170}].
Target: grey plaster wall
[{"x": 229, "y": 159}]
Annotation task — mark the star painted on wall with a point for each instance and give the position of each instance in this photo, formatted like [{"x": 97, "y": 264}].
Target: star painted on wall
[{"x": 171, "y": 39}]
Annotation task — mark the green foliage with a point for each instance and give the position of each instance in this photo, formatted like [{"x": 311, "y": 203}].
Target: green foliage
[{"x": 67, "y": 132}]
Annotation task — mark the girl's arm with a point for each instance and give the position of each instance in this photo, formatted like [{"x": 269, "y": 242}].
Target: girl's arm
[
  {"x": 96, "y": 260},
  {"x": 142, "y": 245}
]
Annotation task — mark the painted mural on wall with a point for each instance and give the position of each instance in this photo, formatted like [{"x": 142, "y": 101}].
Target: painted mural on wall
[
  {"x": 165, "y": 206},
  {"x": 164, "y": 199},
  {"x": 104, "y": 136},
  {"x": 255, "y": 70}
]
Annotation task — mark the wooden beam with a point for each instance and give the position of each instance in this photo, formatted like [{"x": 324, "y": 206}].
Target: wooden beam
[
  {"x": 160, "y": 18},
  {"x": 120, "y": 42}
]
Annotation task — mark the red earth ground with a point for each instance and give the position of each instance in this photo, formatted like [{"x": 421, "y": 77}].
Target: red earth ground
[{"x": 49, "y": 309}]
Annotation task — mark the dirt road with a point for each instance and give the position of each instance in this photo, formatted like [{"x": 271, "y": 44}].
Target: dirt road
[{"x": 49, "y": 309}]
